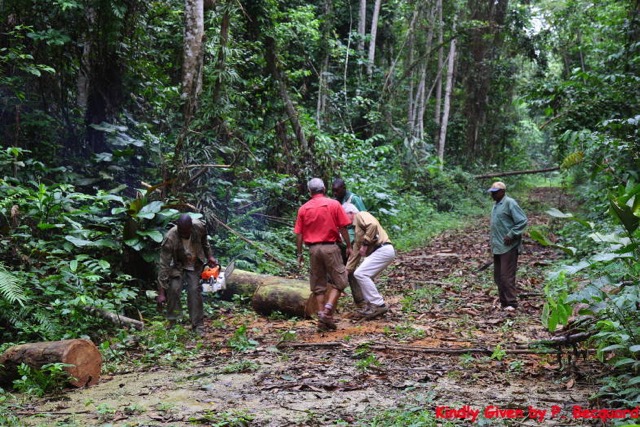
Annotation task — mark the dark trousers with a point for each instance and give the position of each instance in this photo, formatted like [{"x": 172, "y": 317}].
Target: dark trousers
[
  {"x": 356, "y": 290},
  {"x": 504, "y": 273},
  {"x": 194, "y": 297}
]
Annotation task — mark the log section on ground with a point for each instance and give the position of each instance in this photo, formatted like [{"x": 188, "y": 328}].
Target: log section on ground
[
  {"x": 82, "y": 354},
  {"x": 271, "y": 293}
]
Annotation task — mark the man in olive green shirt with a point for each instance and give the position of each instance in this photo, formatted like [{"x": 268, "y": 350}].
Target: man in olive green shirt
[
  {"x": 184, "y": 253},
  {"x": 508, "y": 222}
]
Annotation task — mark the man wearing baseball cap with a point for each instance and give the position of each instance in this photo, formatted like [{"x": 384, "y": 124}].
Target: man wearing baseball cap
[{"x": 508, "y": 222}]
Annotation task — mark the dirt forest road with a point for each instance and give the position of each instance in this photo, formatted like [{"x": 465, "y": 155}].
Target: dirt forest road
[{"x": 445, "y": 350}]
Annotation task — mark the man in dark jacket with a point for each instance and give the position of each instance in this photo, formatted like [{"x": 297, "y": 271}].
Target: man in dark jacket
[{"x": 184, "y": 253}]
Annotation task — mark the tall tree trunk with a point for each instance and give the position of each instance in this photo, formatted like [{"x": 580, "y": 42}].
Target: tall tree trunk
[
  {"x": 324, "y": 69},
  {"x": 192, "y": 58},
  {"x": 423, "y": 97},
  {"x": 420, "y": 104},
  {"x": 105, "y": 72},
  {"x": 374, "y": 33},
  {"x": 411, "y": 89},
  {"x": 447, "y": 100},
  {"x": 222, "y": 57},
  {"x": 82, "y": 83},
  {"x": 438, "y": 82},
  {"x": 362, "y": 26},
  {"x": 271, "y": 57},
  {"x": 322, "y": 92},
  {"x": 480, "y": 49}
]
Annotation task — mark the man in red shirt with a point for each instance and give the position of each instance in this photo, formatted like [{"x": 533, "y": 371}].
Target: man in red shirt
[{"x": 320, "y": 224}]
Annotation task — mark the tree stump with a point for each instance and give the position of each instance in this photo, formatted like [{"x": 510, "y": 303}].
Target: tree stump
[{"x": 82, "y": 354}]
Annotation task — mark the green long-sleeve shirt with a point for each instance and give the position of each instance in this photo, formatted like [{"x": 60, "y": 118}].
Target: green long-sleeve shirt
[
  {"x": 507, "y": 219},
  {"x": 356, "y": 200}
]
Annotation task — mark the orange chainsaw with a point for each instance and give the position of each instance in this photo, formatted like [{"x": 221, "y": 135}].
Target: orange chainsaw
[{"x": 213, "y": 279}]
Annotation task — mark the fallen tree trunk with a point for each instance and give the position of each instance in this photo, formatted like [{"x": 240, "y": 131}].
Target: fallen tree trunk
[
  {"x": 564, "y": 340},
  {"x": 525, "y": 172},
  {"x": 83, "y": 355},
  {"x": 271, "y": 293}
]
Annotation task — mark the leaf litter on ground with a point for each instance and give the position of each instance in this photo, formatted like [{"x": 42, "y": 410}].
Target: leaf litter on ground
[{"x": 442, "y": 302}]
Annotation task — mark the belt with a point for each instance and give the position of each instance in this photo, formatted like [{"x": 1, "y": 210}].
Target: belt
[
  {"x": 320, "y": 243},
  {"x": 381, "y": 245}
]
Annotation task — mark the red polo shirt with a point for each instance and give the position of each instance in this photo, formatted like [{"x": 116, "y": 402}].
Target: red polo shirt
[{"x": 320, "y": 219}]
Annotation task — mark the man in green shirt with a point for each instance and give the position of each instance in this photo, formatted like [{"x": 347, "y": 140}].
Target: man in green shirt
[
  {"x": 341, "y": 194},
  {"x": 508, "y": 221}
]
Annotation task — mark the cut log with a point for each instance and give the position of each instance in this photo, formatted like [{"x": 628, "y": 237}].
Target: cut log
[
  {"x": 83, "y": 355},
  {"x": 287, "y": 298},
  {"x": 271, "y": 293}
]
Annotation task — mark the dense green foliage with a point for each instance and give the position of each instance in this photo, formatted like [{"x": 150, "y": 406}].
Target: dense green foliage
[{"x": 98, "y": 155}]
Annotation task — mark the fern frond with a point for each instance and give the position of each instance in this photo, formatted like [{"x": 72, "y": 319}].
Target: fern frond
[
  {"x": 572, "y": 159},
  {"x": 11, "y": 287}
]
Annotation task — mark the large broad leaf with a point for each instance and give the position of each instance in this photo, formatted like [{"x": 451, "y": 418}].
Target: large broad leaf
[
  {"x": 570, "y": 269},
  {"x": 587, "y": 295},
  {"x": 100, "y": 243},
  {"x": 556, "y": 213},
  {"x": 625, "y": 215},
  {"x": 78, "y": 242},
  {"x": 544, "y": 241},
  {"x": 47, "y": 226},
  {"x": 539, "y": 237},
  {"x": 106, "y": 243},
  {"x": 134, "y": 243},
  {"x": 150, "y": 210},
  {"x": 606, "y": 257},
  {"x": 610, "y": 238},
  {"x": 154, "y": 235}
]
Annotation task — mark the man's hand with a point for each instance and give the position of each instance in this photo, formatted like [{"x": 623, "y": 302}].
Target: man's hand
[
  {"x": 212, "y": 262},
  {"x": 300, "y": 260},
  {"x": 508, "y": 240},
  {"x": 363, "y": 250}
]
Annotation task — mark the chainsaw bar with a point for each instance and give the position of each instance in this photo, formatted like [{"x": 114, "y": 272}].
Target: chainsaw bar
[{"x": 229, "y": 270}]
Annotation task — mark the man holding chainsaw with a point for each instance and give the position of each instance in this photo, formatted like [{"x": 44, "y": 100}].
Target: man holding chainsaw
[
  {"x": 183, "y": 255},
  {"x": 320, "y": 224}
]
